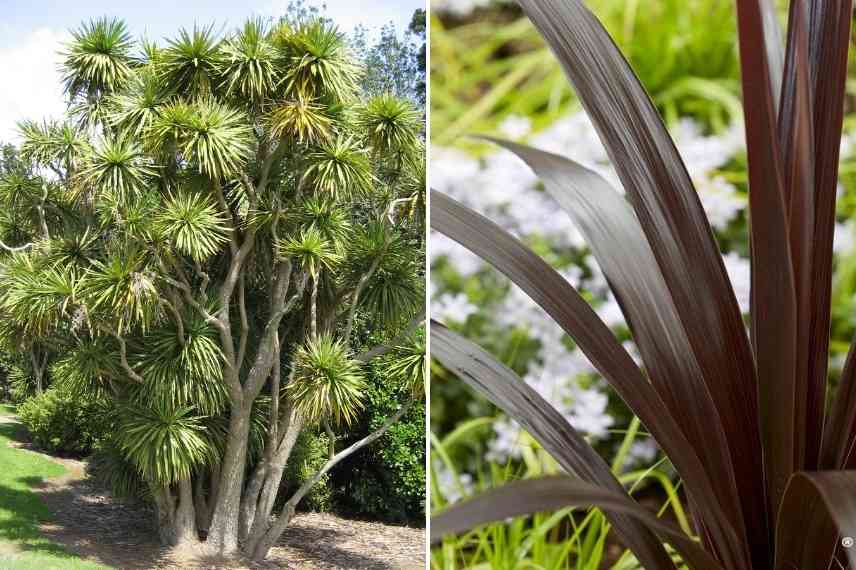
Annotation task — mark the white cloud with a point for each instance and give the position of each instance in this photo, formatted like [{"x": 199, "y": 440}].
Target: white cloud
[
  {"x": 33, "y": 85},
  {"x": 348, "y": 14}
]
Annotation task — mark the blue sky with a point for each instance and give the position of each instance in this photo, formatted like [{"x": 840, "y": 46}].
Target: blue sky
[{"x": 32, "y": 31}]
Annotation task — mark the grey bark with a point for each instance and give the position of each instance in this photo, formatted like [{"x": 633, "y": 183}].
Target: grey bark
[
  {"x": 263, "y": 505},
  {"x": 185, "y": 515},
  {"x": 223, "y": 533},
  {"x": 259, "y": 545},
  {"x": 313, "y": 309},
  {"x": 175, "y": 517}
]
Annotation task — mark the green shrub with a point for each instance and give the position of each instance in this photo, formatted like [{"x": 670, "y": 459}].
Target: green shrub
[
  {"x": 386, "y": 480},
  {"x": 59, "y": 422},
  {"x": 308, "y": 456},
  {"x": 21, "y": 384}
]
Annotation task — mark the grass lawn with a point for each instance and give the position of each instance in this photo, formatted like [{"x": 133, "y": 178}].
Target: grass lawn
[{"x": 22, "y": 547}]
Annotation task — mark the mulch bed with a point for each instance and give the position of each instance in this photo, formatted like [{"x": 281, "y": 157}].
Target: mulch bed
[{"x": 91, "y": 523}]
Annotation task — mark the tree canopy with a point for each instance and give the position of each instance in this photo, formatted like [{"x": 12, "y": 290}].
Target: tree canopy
[{"x": 217, "y": 237}]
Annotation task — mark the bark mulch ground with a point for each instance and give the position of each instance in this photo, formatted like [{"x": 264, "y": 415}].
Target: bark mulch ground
[{"x": 91, "y": 523}]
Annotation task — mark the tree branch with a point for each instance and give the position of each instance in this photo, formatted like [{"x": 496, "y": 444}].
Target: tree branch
[
  {"x": 123, "y": 354},
  {"x": 245, "y": 326},
  {"x": 18, "y": 248},
  {"x": 41, "y": 211},
  {"x": 278, "y": 526},
  {"x": 264, "y": 355},
  {"x": 179, "y": 323},
  {"x": 188, "y": 296},
  {"x": 381, "y": 349},
  {"x": 361, "y": 285}
]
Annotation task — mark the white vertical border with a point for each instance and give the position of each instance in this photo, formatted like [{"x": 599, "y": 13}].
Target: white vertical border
[{"x": 428, "y": 282}]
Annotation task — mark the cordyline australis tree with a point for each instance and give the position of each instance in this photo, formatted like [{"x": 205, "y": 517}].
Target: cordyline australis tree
[
  {"x": 224, "y": 234},
  {"x": 741, "y": 416}
]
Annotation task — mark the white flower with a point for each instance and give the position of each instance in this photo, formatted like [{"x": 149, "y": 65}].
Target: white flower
[
  {"x": 739, "y": 272},
  {"x": 720, "y": 201},
  {"x": 515, "y": 127},
  {"x": 844, "y": 238},
  {"x": 458, "y": 8},
  {"x": 455, "y": 308},
  {"x": 506, "y": 442},
  {"x": 453, "y": 488},
  {"x": 589, "y": 414},
  {"x": 642, "y": 451}
]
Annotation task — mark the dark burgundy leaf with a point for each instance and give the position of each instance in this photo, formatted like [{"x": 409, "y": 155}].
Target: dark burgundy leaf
[
  {"x": 621, "y": 249},
  {"x": 669, "y": 210},
  {"x": 553, "y": 493},
  {"x": 504, "y": 388},
  {"x": 562, "y": 302},
  {"x": 817, "y": 508},
  {"x": 831, "y": 21}
]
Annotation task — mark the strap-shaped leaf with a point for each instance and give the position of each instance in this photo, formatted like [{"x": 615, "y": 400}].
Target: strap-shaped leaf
[
  {"x": 796, "y": 140},
  {"x": 840, "y": 432},
  {"x": 669, "y": 210},
  {"x": 830, "y": 40},
  {"x": 618, "y": 243},
  {"x": 552, "y": 493},
  {"x": 817, "y": 508},
  {"x": 564, "y": 304},
  {"x": 773, "y": 298},
  {"x": 503, "y": 387}
]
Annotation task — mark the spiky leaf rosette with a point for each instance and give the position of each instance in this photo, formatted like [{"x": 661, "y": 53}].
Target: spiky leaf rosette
[
  {"x": 164, "y": 443},
  {"x": 395, "y": 289},
  {"x": 76, "y": 250},
  {"x": 327, "y": 217},
  {"x": 409, "y": 365},
  {"x": 130, "y": 219},
  {"x": 122, "y": 288},
  {"x": 212, "y": 136},
  {"x": 111, "y": 469},
  {"x": 318, "y": 61},
  {"x": 20, "y": 190},
  {"x": 311, "y": 250},
  {"x": 189, "y": 63},
  {"x": 247, "y": 63},
  {"x": 36, "y": 296},
  {"x": 301, "y": 119},
  {"x": 391, "y": 124},
  {"x": 411, "y": 188},
  {"x": 53, "y": 144},
  {"x": 183, "y": 375},
  {"x": 98, "y": 58},
  {"x": 340, "y": 168},
  {"x": 193, "y": 223},
  {"x": 29, "y": 198},
  {"x": 88, "y": 368},
  {"x": 134, "y": 108},
  {"x": 117, "y": 165},
  {"x": 327, "y": 382}
]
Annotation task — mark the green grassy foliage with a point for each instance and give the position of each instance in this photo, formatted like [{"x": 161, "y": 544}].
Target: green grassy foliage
[{"x": 22, "y": 547}]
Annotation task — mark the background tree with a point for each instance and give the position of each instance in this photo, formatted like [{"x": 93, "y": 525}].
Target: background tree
[
  {"x": 217, "y": 239},
  {"x": 395, "y": 61}
]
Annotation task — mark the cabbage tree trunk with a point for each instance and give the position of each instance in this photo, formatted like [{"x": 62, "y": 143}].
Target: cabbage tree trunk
[
  {"x": 175, "y": 514},
  {"x": 223, "y": 532},
  {"x": 260, "y": 495},
  {"x": 266, "y": 533}
]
